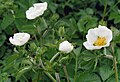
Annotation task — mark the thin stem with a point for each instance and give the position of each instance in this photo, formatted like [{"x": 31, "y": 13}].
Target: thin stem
[
  {"x": 107, "y": 56},
  {"x": 57, "y": 77},
  {"x": 48, "y": 74},
  {"x": 75, "y": 68},
  {"x": 105, "y": 7},
  {"x": 115, "y": 63},
  {"x": 105, "y": 52},
  {"x": 36, "y": 39},
  {"x": 66, "y": 73},
  {"x": 25, "y": 78},
  {"x": 116, "y": 70},
  {"x": 53, "y": 58}
]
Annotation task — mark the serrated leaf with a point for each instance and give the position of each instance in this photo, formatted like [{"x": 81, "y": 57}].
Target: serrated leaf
[
  {"x": 29, "y": 29},
  {"x": 2, "y": 39},
  {"x": 87, "y": 77},
  {"x": 7, "y": 20},
  {"x": 106, "y": 72},
  {"x": 77, "y": 50},
  {"x": 11, "y": 58},
  {"x": 22, "y": 71},
  {"x": 41, "y": 24},
  {"x": 116, "y": 35}
]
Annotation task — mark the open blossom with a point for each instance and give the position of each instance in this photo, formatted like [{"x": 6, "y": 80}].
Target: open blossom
[
  {"x": 65, "y": 47},
  {"x": 36, "y": 11},
  {"x": 19, "y": 39},
  {"x": 98, "y": 38}
]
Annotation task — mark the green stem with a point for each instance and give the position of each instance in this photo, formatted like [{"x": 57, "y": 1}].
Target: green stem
[
  {"x": 75, "y": 68},
  {"x": 57, "y": 77},
  {"x": 66, "y": 73},
  {"x": 105, "y": 7},
  {"x": 116, "y": 70},
  {"x": 115, "y": 63},
  {"x": 48, "y": 74},
  {"x": 105, "y": 52},
  {"x": 53, "y": 58},
  {"x": 36, "y": 39},
  {"x": 25, "y": 78},
  {"x": 107, "y": 56}
]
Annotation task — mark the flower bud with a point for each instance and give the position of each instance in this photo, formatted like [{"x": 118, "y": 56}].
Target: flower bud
[{"x": 65, "y": 47}]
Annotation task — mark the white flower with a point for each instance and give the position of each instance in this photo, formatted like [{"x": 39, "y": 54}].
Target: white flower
[
  {"x": 65, "y": 47},
  {"x": 36, "y": 11},
  {"x": 98, "y": 38},
  {"x": 19, "y": 39}
]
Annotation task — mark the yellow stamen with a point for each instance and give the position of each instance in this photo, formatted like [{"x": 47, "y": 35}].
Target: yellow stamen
[{"x": 100, "y": 41}]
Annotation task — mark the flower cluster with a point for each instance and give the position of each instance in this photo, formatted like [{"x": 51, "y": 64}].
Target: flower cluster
[
  {"x": 96, "y": 38},
  {"x": 37, "y": 10}
]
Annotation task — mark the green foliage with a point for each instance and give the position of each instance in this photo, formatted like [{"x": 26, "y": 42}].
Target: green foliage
[
  {"x": 88, "y": 77},
  {"x": 63, "y": 20}
]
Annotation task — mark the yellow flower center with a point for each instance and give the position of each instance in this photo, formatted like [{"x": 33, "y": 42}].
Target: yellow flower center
[{"x": 100, "y": 41}]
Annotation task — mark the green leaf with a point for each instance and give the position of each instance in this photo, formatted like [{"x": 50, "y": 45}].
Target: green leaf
[
  {"x": 21, "y": 72},
  {"x": 116, "y": 35},
  {"x": 112, "y": 79},
  {"x": 7, "y": 20},
  {"x": 89, "y": 11},
  {"x": 86, "y": 22},
  {"x": 118, "y": 54},
  {"x": 61, "y": 31},
  {"x": 2, "y": 39},
  {"x": 11, "y": 58},
  {"x": 87, "y": 60},
  {"x": 9, "y": 61},
  {"x": 41, "y": 25},
  {"x": 87, "y": 77},
  {"x": 106, "y": 72},
  {"x": 77, "y": 50},
  {"x": 115, "y": 16},
  {"x": 29, "y": 29},
  {"x": 52, "y": 7},
  {"x": 62, "y": 22}
]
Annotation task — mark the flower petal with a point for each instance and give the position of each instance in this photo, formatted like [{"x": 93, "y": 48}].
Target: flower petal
[
  {"x": 19, "y": 39},
  {"x": 37, "y": 10},
  {"x": 91, "y": 36},
  {"x": 14, "y": 42},
  {"x": 91, "y": 47},
  {"x": 39, "y": 6},
  {"x": 103, "y": 31}
]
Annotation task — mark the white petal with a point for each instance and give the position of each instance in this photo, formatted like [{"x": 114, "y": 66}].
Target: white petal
[
  {"x": 103, "y": 31},
  {"x": 65, "y": 47},
  {"x": 91, "y": 47},
  {"x": 11, "y": 40},
  {"x": 91, "y": 37},
  {"x": 19, "y": 39},
  {"x": 14, "y": 42},
  {"x": 42, "y": 6},
  {"x": 37, "y": 10},
  {"x": 30, "y": 14},
  {"x": 25, "y": 38}
]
